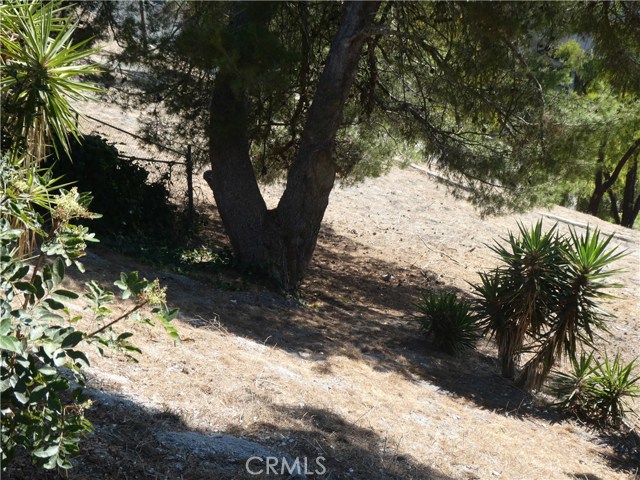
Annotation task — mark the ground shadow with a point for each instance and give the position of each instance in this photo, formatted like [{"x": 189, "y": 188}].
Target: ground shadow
[
  {"x": 353, "y": 306},
  {"x": 133, "y": 441},
  {"x": 358, "y": 307},
  {"x": 349, "y": 450},
  {"x": 625, "y": 445}
]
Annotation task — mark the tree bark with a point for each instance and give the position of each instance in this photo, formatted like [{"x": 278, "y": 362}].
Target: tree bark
[
  {"x": 280, "y": 242},
  {"x": 630, "y": 202},
  {"x": 603, "y": 185},
  {"x": 598, "y": 190}
]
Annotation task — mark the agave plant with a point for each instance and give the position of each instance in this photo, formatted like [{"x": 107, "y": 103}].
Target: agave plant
[{"x": 449, "y": 321}]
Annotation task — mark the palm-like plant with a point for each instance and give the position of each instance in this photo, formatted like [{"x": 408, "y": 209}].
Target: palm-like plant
[
  {"x": 597, "y": 390},
  {"x": 39, "y": 79},
  {"x": 514, "y": 302},
  {"x": 543, "y": 298},
  {"x": 576, "y": 315},
  {"x": 39, "y": 76}
]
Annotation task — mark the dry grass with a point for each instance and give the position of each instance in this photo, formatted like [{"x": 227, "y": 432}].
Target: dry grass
[{"x": 345, "y": 374}]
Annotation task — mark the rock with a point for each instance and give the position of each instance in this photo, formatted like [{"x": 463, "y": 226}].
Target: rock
[{"x": 231, "y": 449}]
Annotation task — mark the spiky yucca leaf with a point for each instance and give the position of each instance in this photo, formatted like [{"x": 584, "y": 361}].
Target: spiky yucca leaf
[
  {"x": 597, "y": 390},
  {"x": 40, "y": 73}
]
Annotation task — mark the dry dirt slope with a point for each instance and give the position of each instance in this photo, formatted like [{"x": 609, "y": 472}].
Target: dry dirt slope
[{"x": 345, "y": 375}]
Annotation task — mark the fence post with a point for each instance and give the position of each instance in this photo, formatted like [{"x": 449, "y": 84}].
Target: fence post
[{"x": 191, "y": 212}]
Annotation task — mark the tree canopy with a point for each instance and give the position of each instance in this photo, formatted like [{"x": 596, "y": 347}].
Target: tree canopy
[{"x": 475, "y": 88}]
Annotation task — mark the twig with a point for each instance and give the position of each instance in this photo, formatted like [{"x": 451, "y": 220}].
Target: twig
[
  {"x": 440, "y": 252},
  {"x": 365, "y": 413},
  {"x": 121, "y": 317}
]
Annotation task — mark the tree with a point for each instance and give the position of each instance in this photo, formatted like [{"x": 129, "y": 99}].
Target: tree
[
  {"x": 602, "y": 126},
  {"x": 308, "y": 88}
]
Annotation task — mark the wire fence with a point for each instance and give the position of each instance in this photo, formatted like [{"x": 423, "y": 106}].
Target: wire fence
[{"x": 171, "y": 167}]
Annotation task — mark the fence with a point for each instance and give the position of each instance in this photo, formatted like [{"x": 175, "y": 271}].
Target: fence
[{"x": 172, "y": 167}]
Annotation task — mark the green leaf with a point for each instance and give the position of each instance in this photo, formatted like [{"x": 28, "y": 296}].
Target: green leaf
[
  {"x": 10, "y": 343},
  {"x": 58, "y": 270},
  {"x": 21, "y": 397},
  {"x": 79, "y": 358},
  {"x": 21, "y": 272},
  {"x": 25, "y": 287},
  {"x": 54, "y": 304},
  {"x": 47, "y": 452},
  {"x": 72, "y": 339},
  {"x": 65, "y": 294},
  {"x": 59, "y": 358},
  {"x": 5, "y": 326},
  {"x": 47, "y": 371}
]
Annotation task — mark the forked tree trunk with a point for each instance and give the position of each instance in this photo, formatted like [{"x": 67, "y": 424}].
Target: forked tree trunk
[
  {"x": 281, "y": 241},
  {"x": 603, "y": 180}
]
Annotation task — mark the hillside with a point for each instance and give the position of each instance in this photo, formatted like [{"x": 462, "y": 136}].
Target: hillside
[{"x": 344, "y": 373}]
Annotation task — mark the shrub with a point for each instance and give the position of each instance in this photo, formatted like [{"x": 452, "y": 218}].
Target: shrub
[
  {"x": 130, "y": 205},
  {"x": 597, "y": 390},
  {"x": 449, "y": 321},
  {"x": 543, "y": 298},
  {"x": 41, "y": 341}
]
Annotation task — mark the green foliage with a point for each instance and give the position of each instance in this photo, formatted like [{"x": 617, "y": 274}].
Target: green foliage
[
  {"x": 40, "y": 336},
  {"x": 543, "y": 298},
  {"x": 597, "y": 390},
  {"x": 40, "y": 69},
  {"x": 131, "y": 205},
  {"x": 449, "y": 321}
]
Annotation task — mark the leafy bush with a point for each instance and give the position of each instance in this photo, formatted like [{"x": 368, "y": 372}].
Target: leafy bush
[
  {"x": 449, "y": 321},
  {"x": 130, "y": 205},
  {"x": 40, "y": 336},
  {"x": 598, "y": 391},
  {"x": 543, "y": 297}
]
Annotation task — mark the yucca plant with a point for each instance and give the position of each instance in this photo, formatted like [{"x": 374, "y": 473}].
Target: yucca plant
[
  {"x": 448, "y": 321},
  {"x": 598, "y": 391},
  {"x": 41, "y": 73},
  {"x": 576, "y": 315},
  {"x": 516, "y": 301},
  {"x": 542, "y": 299},
  {"x": 571, "y": 388},
  {"x": 494, "y": 317},
  {"x": 612, "y": 385}
]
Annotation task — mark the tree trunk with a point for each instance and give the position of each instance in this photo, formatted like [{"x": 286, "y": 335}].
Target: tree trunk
[
  {"x": 603, "y": 185},
  {"x": 280, "y": 242},
  {"x": 599, "y": 190},
  {"x": 630, "y": 203}
]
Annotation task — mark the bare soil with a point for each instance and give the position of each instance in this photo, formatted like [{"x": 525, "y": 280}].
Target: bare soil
[{"x": 343, "y": 372}]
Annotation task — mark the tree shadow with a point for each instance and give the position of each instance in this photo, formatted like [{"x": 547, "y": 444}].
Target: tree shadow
[
  {"x": 360, "y": 308},
  {"x": 136, "y": 441},
  {"x": 625, "y": 446},
  {"x": 348, "y": 450}
]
